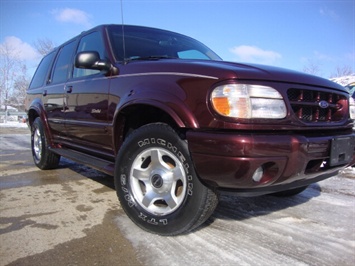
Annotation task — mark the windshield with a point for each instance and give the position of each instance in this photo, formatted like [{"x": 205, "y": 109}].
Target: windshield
[{"x": 143, "y": 43}]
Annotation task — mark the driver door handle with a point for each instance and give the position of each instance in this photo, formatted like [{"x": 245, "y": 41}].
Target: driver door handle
[{"x": 68, "y": 89}]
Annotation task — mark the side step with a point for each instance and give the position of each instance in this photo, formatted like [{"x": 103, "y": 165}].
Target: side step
[{"x": 105, "y": 166}]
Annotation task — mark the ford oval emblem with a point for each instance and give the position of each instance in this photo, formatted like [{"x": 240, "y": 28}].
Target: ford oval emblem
[{"x": 323, "y": 104}]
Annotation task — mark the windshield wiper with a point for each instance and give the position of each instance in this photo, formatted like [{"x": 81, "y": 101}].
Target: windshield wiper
[{"x": 147, "y": 58}]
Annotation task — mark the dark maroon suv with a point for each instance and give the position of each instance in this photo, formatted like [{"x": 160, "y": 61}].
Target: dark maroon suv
[{"x": 175, "y": 125}]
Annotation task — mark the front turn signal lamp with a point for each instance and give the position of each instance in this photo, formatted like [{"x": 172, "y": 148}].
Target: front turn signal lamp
[{"x": 248, "y": 101}]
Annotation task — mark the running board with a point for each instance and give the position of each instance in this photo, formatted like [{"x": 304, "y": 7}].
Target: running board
[{"x": 105, "y": 166}]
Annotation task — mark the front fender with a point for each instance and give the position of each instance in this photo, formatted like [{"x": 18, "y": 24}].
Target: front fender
[{"x": 167, "y": 102}]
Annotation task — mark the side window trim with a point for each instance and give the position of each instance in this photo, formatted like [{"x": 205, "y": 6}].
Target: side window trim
[{"x": 51, "y": 69}]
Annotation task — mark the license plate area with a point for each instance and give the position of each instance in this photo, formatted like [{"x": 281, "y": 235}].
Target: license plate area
[{"x": 342, "y": 150}]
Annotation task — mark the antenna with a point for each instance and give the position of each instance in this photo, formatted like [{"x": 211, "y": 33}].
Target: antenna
[{"x": 123, "y": 37}]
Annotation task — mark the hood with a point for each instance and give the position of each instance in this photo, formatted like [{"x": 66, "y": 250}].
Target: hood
[
  {"x": 223, "y": 70},
  {"x": 269, "y": 73}
]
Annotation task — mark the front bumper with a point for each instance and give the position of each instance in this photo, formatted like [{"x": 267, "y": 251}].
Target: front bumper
[{"x": 230, "y": 160}]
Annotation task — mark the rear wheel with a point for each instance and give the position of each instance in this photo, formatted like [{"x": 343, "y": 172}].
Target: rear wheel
[
  {"x": 157, "y": 185},
  {"x": 42, "y": 156}
]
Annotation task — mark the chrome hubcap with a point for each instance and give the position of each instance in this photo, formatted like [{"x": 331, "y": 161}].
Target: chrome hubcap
[
  {"x": 37, "y": 144},
  {"x": 158, "y": 181}
]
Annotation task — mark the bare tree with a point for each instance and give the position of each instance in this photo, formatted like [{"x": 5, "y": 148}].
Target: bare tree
[
  {"x": 21, "y": 84},
  {"x": 44, "y": 46},
  {"x": 312, "y": 68},
  {"x": 14, "y": 80},
  {"x": 342, "y": 71},
  {"x": 9, "y": 63}
]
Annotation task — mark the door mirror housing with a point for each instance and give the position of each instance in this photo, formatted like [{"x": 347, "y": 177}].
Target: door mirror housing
[{"x": 91, "y": 60}]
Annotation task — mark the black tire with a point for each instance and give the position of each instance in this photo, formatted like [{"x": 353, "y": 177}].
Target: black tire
[
  {"x": 42, "y": 156},
  {"x": 157, "y": 185},
  {"x": 289, "y": 193}
]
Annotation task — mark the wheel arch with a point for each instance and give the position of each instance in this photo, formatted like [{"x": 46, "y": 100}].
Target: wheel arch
[
  {"x": 32, "y": 114},
  {"x": 136, "y": 114},
  {"x": 36, "y": 110}
]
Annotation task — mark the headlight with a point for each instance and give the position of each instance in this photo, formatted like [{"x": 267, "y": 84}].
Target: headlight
[
  {"x": 352, "y": 108},
  {"x": 248, "y": 101}
]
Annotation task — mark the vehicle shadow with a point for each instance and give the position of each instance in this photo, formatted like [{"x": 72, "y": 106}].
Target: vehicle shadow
[
  {"x": 230, "y": 207},
  {"x": 88, "y": 172},
  {"x": 242, "y": 208}
]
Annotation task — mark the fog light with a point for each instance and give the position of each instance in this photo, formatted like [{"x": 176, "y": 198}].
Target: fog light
[{"x": 258, "y": 174}]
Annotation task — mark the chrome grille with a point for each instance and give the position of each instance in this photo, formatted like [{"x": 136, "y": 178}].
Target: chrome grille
[{"x": 317, "y": 106}]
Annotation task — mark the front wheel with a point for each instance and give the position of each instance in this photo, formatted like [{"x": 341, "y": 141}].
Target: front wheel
[
  {"x": 42, "y": 156},
  {"x": 157, "y": 185}
]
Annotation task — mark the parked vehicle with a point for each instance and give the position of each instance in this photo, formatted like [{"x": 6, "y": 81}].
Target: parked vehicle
[
  {"x": 175, "y": 125},
  {"x": 351, "y": 88}
]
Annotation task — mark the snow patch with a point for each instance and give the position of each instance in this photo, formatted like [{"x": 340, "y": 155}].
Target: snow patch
[
  {"x": 14, "y": 124},
  {"x": 345, "y": 80}
]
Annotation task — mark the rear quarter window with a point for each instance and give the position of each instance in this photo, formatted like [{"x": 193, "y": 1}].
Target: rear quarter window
[{"x": 41, "y": 74}]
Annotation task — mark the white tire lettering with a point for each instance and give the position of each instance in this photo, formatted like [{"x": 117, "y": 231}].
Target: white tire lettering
[
  {"x": 187, "y": 166},
  {"x": 161, "y": 142},
  {"x": 181, "y": 156},
  {"x": 171, "y": 147},
  {"x": 143, "y": 142},
  {"x": 123, "y": 180},
  {"x": 152, "y": 221},
  {"x": 189, "y": 189},
  {"x": 163, "y": 221},
  {"x": 142, "y": 216}
]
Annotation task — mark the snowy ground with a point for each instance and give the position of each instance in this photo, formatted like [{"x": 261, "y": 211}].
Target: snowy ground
[
  {"x": 13, "y": 124},
  {"x": 316, "y": 227}
]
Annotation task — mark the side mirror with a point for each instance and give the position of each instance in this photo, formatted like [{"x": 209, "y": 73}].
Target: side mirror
[{"x": 91, "y": 60}]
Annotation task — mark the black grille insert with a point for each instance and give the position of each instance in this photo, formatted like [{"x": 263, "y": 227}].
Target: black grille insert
[{"x": 317, "y": 106}]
